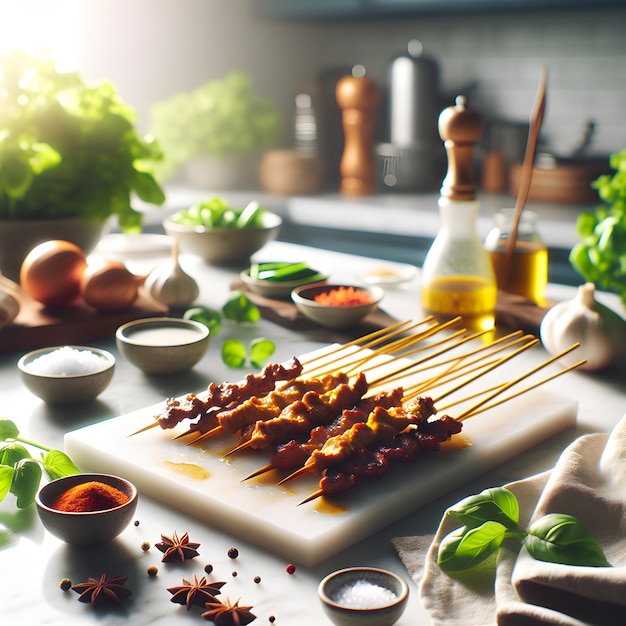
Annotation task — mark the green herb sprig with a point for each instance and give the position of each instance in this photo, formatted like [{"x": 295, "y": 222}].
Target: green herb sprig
[
  {"x": 20, "y": 472},
  {"x": 600, "y": 255},
  {"x": 492, "y": 516},
  {"x": 241, "y": 310}
]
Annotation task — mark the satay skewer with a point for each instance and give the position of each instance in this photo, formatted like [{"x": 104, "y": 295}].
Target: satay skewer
[
  {"x": 309, "y": 466},
  {"x": 454, "y": 370},
  {"x": 485, "y": 405}
]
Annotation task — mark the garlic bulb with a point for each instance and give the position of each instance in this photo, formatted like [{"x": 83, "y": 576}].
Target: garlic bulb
[
  {"x": 170, "y": 285},
  {"x": 9, "y": 307},
  {"x": 599, "y": 330}
]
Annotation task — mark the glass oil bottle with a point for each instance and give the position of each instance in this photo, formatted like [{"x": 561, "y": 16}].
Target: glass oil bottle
[
  {"x": 457, "y": 275},
  {"x": 525, "y": 271}
]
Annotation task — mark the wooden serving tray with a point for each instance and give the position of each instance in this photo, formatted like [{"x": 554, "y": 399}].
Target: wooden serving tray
[{"x": 38, "y": 326}]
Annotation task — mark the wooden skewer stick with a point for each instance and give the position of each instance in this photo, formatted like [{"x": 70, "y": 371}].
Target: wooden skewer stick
[
  {"x": 371, "y": 339},
  {"x": 262, "y": 470},
  {"x": 458, "y": 366},
  {"x": 569, "y": 368},
  {"x": 470, "y": 411},
  {"x": 143, "y": 429},
  {"x": 357, "y": 358},
  {"x": 397, "y": 346},
  {"x": 490, "y": 368},
  {"x": 241, "y": 446},
  {"x": 312, "y": 496},
  {"x": 401, "y": 372}
]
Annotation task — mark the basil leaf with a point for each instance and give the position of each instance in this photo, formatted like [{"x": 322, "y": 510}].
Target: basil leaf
[
  {"x": 8, "y": 430},
  {"x": 497, "y": 504},
  {"x": 261, "y": 350},
  {"x": 561, "y": 538},
  {"x": 234, "y": 353},
  {"x": 13, "y": 452},
  {"x": 211, "y": 318},
  {"x": 239, "y": 308},
  {"x": 6, "y": 479},
  {"x": 467, "y": 547},
  {"x": 26, "y": 481},
  {"x": 57, "y": 464}
]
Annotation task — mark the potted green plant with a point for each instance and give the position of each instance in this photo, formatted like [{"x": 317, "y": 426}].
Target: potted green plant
[
  {"x": 69, "y": 154},
  {"x": 212, "y": 125},
  {"x": 600, "y": 255}
]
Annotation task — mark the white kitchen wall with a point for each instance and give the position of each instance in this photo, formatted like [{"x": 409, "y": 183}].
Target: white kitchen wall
[{"x": 153, "y": 48}]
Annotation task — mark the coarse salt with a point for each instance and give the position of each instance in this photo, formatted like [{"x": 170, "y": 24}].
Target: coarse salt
[
  {"x": 67, "y": 361},
  {"x": 363, "y": 594}
]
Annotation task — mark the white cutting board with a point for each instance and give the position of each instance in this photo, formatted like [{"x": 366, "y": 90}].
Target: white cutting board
[{"x": 200, "y": 482}]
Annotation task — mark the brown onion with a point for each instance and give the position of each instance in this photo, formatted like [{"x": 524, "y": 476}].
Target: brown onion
[
  {"x": 51, "y": 272},
  {"x": 109, "y": 286}
]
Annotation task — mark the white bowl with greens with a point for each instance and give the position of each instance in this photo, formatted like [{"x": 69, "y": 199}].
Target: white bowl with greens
[
  {"x": 276, "y": 280},
  {"x": 221, "y": 234}
]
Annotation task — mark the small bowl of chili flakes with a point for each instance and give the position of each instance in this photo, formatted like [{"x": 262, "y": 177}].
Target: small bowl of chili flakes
[
  {"x": 87, "y": 509},
  {"x": 336, "y": 306}
]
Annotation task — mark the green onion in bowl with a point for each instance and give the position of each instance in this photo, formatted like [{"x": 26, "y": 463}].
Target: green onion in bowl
[{"x": 284, "y": 271}]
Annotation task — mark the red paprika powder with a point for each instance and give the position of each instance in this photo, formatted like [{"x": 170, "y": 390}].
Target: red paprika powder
[{"x": 90, "y": 496}]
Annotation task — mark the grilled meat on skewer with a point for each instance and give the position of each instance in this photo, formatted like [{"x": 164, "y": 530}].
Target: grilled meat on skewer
[
  {"x": 294, "y": 454},
  {"x": 257, "y": 409},
  {"x": 223, "y": 395},
  {"x": 381, "y": 425},
  {"x": 302, "y": 415},
  {"x": 368, "y": 463}
]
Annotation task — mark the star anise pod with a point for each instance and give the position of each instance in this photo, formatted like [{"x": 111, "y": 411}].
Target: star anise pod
[
  {"x": 105, "y": 589},
  {"x": 197, "y": 593},
  {"x": 227, "y": 614},
  {"x": 176, "y": 549}
]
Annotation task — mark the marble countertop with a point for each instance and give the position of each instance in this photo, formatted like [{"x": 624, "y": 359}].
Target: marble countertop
[{"x": 33, "y": 562}]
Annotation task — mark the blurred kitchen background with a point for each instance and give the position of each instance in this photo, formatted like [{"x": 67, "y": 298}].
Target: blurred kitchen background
[{"x": 492, "y": 51}]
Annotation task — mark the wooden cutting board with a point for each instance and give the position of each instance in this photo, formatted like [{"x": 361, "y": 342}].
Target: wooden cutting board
[
  {"x": 198, "y": 481},
  {"x": 37, "y": 326}
]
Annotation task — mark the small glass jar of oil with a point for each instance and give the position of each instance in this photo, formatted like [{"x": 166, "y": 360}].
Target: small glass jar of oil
[{"x": 525, "y": 272}]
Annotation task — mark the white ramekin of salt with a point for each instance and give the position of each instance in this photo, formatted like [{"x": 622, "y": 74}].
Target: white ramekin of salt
[
  {"x": 67, "y": 374},
  {"x": 362, "y": 596},
  {"x": 67, "y": 361}
]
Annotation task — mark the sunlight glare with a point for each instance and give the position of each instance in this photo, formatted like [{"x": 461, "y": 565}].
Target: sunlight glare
[{"x": 50, "y": 27}]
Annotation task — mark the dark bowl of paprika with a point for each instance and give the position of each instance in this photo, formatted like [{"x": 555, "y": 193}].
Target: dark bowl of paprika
[{"x": 86, "y": 509}]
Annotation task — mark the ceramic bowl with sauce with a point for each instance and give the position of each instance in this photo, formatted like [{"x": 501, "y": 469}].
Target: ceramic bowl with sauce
[
  {"x": 89, "y": 525},
  {"x": 363, "y": 596},
  {"x": 223, "y": 246},
  {"x": 163, "y": 345},
  {"x": 67, "y": 374},
  {"x": 336, "y": 315}
]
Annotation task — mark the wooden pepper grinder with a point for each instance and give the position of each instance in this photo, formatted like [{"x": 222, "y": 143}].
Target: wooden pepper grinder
[
  {"x": 358, "y": 97},
  {"x": 461, "y": 129}
]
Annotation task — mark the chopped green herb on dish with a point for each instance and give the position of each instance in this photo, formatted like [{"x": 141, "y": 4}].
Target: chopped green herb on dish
[
  {"x": 216, "y": 213},
  {"x": 284, "y": 272}
]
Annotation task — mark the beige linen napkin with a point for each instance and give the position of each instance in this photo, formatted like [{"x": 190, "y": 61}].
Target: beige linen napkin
[{"x": 589, "y": 482}]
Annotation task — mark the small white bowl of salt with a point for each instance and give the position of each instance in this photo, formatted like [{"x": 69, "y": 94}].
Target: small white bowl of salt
[
  {"x": 67, "y": 374},
  {"x": 363, "y": 596}
]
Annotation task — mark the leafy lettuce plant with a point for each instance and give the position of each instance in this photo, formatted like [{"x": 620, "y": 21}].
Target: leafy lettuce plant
[
  {"x": 20, "y": 472},
  {"x": 220, "y": 118},
  {"x": 600, "y": 255},
  {"x": 492, "y": 516},
  {"x": 68, "y": 149}
]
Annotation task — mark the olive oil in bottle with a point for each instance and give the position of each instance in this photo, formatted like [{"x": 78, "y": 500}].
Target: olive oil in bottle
[
  {"x": 525, "y": 272},
  {"x": 457, "y": 276}
]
